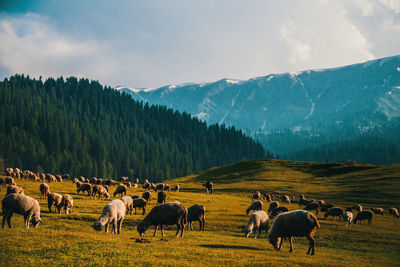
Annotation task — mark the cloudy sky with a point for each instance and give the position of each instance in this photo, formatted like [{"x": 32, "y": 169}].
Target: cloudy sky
[{"x": 153, "y": 43}]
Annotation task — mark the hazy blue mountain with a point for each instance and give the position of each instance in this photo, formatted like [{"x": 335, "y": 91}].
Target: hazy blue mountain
[{"x": 300, "y": 100}]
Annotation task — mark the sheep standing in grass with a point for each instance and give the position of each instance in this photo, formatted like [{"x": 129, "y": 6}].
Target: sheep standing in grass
[
  {"x": 44, "y": 190},
  {"x": 147, "y": 195},
  {"x": 273, "y": 206},
  {"x": 267, "y": 197},
  {"x": 23, "y": 205},
  {"x": 357, "y": 207},
  {"x": 100, "y": 191},
  {"x": 165, "y": 214},
  {"x": 394, "y": 212},
  {"x": 348, "y": 217},
  {"x": 128, "y": 202},
  {"x": 161, "y": 197},
  {"x": 67, "y": 203},
  {"x": 255, "y": 205},
  {"x": 335, "y": 211},
  {"x": 85, "y": 187},
  {"x": 258, "y": 221},
  {"x": 197, "y": 212},
  {"x": 285, "y": 199},
  {"x": 177, "y": 188},
  {"x": 139, "y": 203},
  {"x": 312, "y": 206},
  {"x": 291, "y": 224},
  {"x": 14, "y": 189},
  {"x": 303, "y": 201},
  {"x": 113, "y": 213},
  {"x": 54, "y": 199},
  {"x": 256, "y": 196},
  {"x": 364, "y": 215},
  {"x": 326, "y": 207},
  {"x": 120, "y": 190},
  {"x": 159, "y": 187},
  {"x": 209, "y": 187},
  {"x": 377, "y": 211},
  {"x": 277, "y": 211}
]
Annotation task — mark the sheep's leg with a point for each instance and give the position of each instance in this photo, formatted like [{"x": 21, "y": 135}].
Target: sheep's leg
[
  {"x": 162, "y": 230},
  {"x": 182, "y": 228},
  {"x": 106, "y": 228},
  {"x": 120, "y": 225},
  {"x": 9, "y": 219},
  {"x": 5, "y": 217},
  {"x": 291, "y": 244},
  {"x": 155, "y": 230},
  {"x": 135, "y": 210},
  {"x": 179, "y": 228},
  {"x": 311, "y": 247},
  {"x": 144, "y": 210},
  {"x": 316, "y": 211},
  {"x": 4, "y": 220},
  {"x": 280, "y": 244}
]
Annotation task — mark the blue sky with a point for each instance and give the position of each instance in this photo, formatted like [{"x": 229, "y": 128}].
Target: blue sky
[{"x": 154, "y": 43}]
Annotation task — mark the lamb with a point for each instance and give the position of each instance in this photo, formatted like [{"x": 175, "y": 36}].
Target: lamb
[
  {"x": 165, "y": 214},
  {"x": 177, "y": 188},
  {"x": 335, "y": 211},
  {"x": 147, "y": 195},
  {"x": 291, "y": 224},
  {"x": 267, "y": 197},
  {"x": 273, "y": 206},
  {"x": 67, "y": 203},
  {"x": 14, "y": 189},
  {"x": 139, "y": 203},
  {"x": 23, "y": 205},
  {"x": 258, "y": 221},
  {"x": 161, "y": 197},
  {"x": 128, "y": 202},
  {"x": 377, "y": 211},
  {"x": 85, "y": 187},
  {"x": 312, "y": 206},
  {"x": 394, "y": 212},
  {"x": 209, "y": 187},
  {"x": 78, "y": 184},
  {"x": 54, "y": 199},
  {"x": 120, "y": 190},
  {"x": 285, "y": 199},
  {"x": 277, "y": 211},
  {"x": 44, "y": 190},
  {"x": 256, "y": 196},
  {"x": 363, "y": 215},
  {"x": 113, "y": 213},
  {"x": 197, "y": 212},
  {"x": 255, "y": 205},
  {"x": 348, "y": 217},
  {"x": 100, "y": 191}
]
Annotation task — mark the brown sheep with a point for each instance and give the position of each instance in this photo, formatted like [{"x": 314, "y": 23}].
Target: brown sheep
[
  {"x": 364, "y": 215},
  {"x": 267, "y": 197},
  {"x": 23, "y": 205},
  {"x": 161, "y": 197},
  {"x": 147, "y": 195},
  {"x": 394, "y": 212},
  {"x": 177, "y": 188},
  {"x": 59, "y": 178},
  {"x": 285, "y": 199},
  {"x": 67, "y": 203},
  {"x": 197, "y": 212},
  {"x": 312, "y": 206},
  {"x": 167, "y": 187},
  {"x": 120, "y": 190},
  {"x": 56, "y": 200},
  {"x": 159, "y": 187},
  {"x": 85, "y": 187},
  {"x": 74, "y": 182},
  {"x": 100, "y": 191},
  {"x": 44, "y": 190},
  {"x": 304, "y": 201},
  {"x": 277, "y": 211},
  {"x": 335, "y": 211},
  {"x": 273, "y": 206},
  {"x": 139, "y": 203},
  {"x": 14, "y": 189},
  {"x": 377, "y": 211},
  {"x": 128, "y": 202},
  {"x": 256, "y": 196},
  {"x": 255, "y": 205}
]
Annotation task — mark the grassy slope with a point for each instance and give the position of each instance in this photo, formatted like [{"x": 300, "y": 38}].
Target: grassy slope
[{"x": 69, "y": 239}]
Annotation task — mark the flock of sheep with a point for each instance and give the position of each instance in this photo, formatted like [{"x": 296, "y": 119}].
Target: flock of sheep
[{"x": 285, "y": 224}]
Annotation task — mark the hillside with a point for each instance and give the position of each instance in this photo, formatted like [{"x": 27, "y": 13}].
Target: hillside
[{"x": 83, "y": 128}]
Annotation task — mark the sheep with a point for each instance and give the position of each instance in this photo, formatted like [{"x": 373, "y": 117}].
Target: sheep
[
  {"x": 50, "y": 178},
  {"x": 377, "y": 211},
  {"x": 165, "y": 214},
  {"x": 321, "y": 202},
  {"x": 326, "y": 207},
  {"x": 113, "y": 213},
  {"x": 159, "y": 187},
  {"x": 14, "y": 189},
  {"x": 256, "y": 196},
  {"x": 78, "y": 184},
  {"x": 85, "y": 187},
  {"x": 66, "y": 176},
  {"x": 128, "y": 202},
  {"x": 67, "y": 203},
  {"x": 348, "y": 217},
  {"x": 82, "y": 179},
  {"x": 285, "y": 199},
  {"x": 161, "y": 197},
  {"x": 74, "y": 182},
  {"x": 54, "y": 199},
  {"x": 364, "y": 215},
  {"x": 147, "y": 195},
  {"x": 277, "y": 211},
  {"x": 197, "y": 212},
  {"x": 312, "y": 206},
  {"x": 128, "y": 184},
  {"x": 167, "y": 187},
  {"x": 335, "y": 211},
  {"x": 135, "y": 196},
  {"x": 93, "y": 180},
  {"x": 291, "y": 224},
  {"x": 59, "y": 178},
  {"x": 139, "y": 203},
  {"x": 136, "y": 180},
  {"x": 23, "y": 205},
  {"x": 258, "y": 221},
  {"x": 267, "y": 197},
  {"x": 9, "y": 181},
  {"x": 120, "y": 190},
  {"x": 100, "y": 191},
  {"x": 44, "y": 190},
  {"x": 9, "y": 171},
  {"x": 304, "y": 201},
  {"x": 146, "y": 185},
  {"x": 124, "y": 179},
  {"x": 177, "y": 188},
  {"x": 357, "y": 208},
  {"x": 209, "y": 187},
  {"x": 394, "y": 212},
  {"x": 273, "y": 206},
  {"x": 255, "y": 205}
]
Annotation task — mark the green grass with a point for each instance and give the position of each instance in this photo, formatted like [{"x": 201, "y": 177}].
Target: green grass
[{"x": 69, "y": 239}]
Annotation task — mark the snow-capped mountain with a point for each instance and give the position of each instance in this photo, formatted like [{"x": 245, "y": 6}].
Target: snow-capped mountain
[{"x": 289, "y": 100}]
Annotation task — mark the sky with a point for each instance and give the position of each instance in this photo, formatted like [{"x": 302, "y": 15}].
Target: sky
[{"x": 152, "y": 43}]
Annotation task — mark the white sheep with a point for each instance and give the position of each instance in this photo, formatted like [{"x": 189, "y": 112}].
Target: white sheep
[
  {"x": 113, "y": 213},
  {"x": 258, "y": 221},
  {"x": 348, "y": 217}
]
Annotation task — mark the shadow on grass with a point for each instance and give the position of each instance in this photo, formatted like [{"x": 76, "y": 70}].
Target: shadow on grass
[{"x": 229, "y": 246}]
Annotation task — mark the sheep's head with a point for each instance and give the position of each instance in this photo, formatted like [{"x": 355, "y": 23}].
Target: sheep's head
[
  {"x": 35, "y": 221},
  {"x": 274, "y": 241},
  {"x": 107, "y": 195},
  {"x": 97, "y": 226},
  {"x": 142, "y": 228},
  {"x": 247, "y": 232}
]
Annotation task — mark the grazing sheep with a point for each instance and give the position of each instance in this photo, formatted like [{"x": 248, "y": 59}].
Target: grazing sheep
[
  {"x": 9, "y": 181},
  {"x": 364, "y": 215},
  {"x": 277, "y": 211},
  {"x": 177, "y": 188},
  {"x": 93, "y": 180},
  {"x": 14, "y": 189},
  {"x": 377, "y": 211},
  {"x": 256, "y": 196},
  {"x": 23, "y": 205},
  {"x": 285, "y": 199},
  {"x": 197, "y": 212},
  {"x": 321, "y": 202},
  {"x": 128, "y": 202},
  {"x": 120, "y": 190},
  {"x": 161, "y": 197},
  {"x": 44, "y": 190},
  {"x": 113, "y": 213},
  {"x": 74, "y": 182},
  {"x": 303, "y": 201},
  {"x": 9, "y": 171},
  {"x": 67, "y": 203},
  {"x": 267, "y": 197},
  {"x": 85, "y": 187},
  {"x": 335, "y": 211},
  {"x": 146, "y": 185},
  {"x": 167, "y": 187},
  {"x": 139, "y": 203},
  {"x": 128, "y": 184},
  {"x": 159, "y": 187},
  {"x": 255, "y": 205},
  {"x": 165, "y": 214},
  {"x": 357, "y": 208},
  {"x": 273, "y": 206},
  {"x": 124, "y": 179},
  {"x": 147, "y": 195},
  {"x": 135, "y": 196},
  {"x": 291, "y": 224},
  {"x": 100, "y": 191},
  {"x": 209, "y": 187},
  {"x": 258, "y": 221},
  {"x": 394, "y": 212},
  {"x": 326, "y": 207},
  {"x": 312, "y": 206},
  {"x": 348, "y": 217},
  {"x": 66, "y": 176},
  {"x": 59, "y": 178},
  {"x": 54, "y": 199},
  {"x": 82, "y": 179}
]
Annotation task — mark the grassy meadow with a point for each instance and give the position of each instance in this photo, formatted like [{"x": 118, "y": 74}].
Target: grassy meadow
[{"x": 69, "y": 239}]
